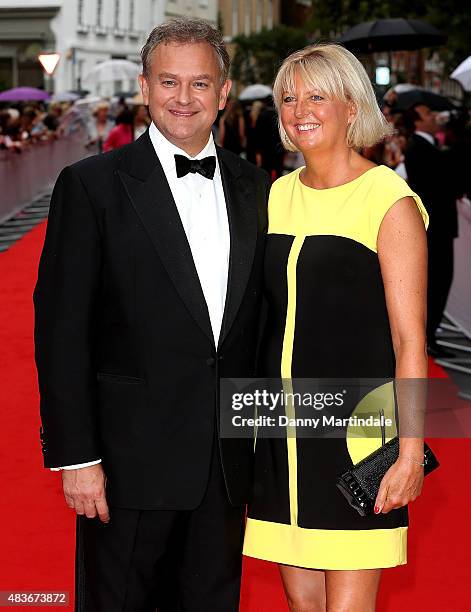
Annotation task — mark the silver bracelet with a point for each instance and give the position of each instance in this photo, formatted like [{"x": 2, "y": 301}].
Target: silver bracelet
[{"x": 415, "y": 461}]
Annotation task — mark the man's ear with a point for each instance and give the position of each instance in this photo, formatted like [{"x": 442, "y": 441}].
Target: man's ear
[
  {"x": 223, "y": 94},
  {"x": 144, "y": 88}
]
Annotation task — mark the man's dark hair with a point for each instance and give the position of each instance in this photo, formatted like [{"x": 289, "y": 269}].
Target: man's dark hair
[{"x": 410, "y": 117}]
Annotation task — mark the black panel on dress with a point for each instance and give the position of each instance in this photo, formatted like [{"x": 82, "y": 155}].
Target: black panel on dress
[
  {"x": 271, "y": 487},
  {"x": 277, "y": 251},
  {"x": 342, "y": 324}
]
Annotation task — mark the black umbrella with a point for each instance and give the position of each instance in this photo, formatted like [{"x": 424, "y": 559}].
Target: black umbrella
[
  {"x": 435, "y": 102},
  {"x": 391, "y": 35}
]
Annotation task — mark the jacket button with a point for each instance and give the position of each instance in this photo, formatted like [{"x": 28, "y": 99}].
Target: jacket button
[{"x": 210, "y": 361}]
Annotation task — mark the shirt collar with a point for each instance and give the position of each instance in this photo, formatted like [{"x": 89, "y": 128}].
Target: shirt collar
[
  {"x": 428, "y": 137},
  {"x": 166, "y": 150}
]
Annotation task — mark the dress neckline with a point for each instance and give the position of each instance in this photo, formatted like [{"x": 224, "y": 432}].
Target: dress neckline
[{"x": 330, "y": 189}]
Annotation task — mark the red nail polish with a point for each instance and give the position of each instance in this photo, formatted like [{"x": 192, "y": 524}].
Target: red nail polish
[{"x": 376, "y": 509}]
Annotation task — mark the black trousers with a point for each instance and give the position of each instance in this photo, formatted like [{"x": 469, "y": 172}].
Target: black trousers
[
  {"x": 440, "y": 277},
  {"x": 173, "y": 561}
]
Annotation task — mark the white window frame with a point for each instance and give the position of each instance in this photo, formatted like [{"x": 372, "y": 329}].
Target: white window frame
[
  {"x": 80, "y": 6},
  {"x": 99, "y": 13}
]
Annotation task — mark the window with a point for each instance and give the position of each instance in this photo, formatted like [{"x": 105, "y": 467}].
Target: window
[
  {"x": 132, "y": 11},
  {"x": 99, "y": 12},
  {"x": 259, "y": 20},
  {"x": 117, "y": 14},
  {"x": 270, "y": 15},
  {"x": 80, "y": 12},
  {"x": 248, "y": 15},
  {"x": 235, "y": 17}
]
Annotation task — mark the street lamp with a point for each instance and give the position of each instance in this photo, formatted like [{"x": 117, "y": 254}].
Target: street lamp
[{"x": 49, "y": 63}]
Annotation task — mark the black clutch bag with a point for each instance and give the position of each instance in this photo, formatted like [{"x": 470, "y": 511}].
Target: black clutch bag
[{"x": 360, "y": 484}]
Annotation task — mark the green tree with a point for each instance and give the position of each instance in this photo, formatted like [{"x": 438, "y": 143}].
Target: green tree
[{"x": 258, "y": 55}]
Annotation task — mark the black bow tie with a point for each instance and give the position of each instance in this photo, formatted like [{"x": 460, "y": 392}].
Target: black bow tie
[{"x": 205, "y": 167}]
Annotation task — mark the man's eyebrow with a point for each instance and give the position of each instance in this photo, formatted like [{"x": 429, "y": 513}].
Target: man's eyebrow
[
  {"x": 167, "y": 75},
  {"x": 197, "y": 77}
]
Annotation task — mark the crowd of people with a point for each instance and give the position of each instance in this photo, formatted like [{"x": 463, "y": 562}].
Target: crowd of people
[
  {"x": 251, "y": 130},
  {"x": 105, "y": 125},
  {"x": 23, "y": 125},
  {"x": 431, "y": 151}
]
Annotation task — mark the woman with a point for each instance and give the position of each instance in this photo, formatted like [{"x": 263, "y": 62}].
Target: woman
[
  {"x": 123, "y": 132},
  {"x": 252, "y": 137},
  {"x": 141, "y": 120},
  {"x": 231, "y": 133},
  {"x": 99, "y": 126},
  {"x": 345, "y": 285}
]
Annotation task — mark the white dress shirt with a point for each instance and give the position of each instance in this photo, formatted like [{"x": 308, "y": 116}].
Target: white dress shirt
[
  {"x": 427, "y": 136},
  {"x": 202, "y": 208}
]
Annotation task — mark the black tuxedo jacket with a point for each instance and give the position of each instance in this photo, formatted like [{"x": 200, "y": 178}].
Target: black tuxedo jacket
[
  {"x": 430, "y": 175},
  {"x": 127, "y": 366}
]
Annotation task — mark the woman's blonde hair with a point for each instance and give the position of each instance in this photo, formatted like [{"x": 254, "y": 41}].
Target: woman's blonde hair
[
  {"x": 337, "y": 74},
  {"x": 100, "y": 106}
]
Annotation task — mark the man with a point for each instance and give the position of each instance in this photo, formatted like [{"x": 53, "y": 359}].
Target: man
[
  {"x": 429, "y": 175},
  {"x": 148, "y": 293}
]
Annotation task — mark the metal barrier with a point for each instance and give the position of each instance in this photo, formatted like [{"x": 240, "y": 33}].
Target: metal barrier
[
  {"x": 458, "y": 307},
  {"x": 24, "y": 175}
]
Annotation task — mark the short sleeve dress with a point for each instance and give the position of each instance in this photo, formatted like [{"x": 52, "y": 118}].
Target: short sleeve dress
[{"x": 327, "y": 318}]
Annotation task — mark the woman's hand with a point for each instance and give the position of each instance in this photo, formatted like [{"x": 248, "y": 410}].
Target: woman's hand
[{"x": 401, "y": 484}]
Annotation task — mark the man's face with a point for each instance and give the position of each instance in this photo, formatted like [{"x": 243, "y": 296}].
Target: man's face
[
  {"x": 184, "y": 93},
  {"x": 428, "y": 119}
]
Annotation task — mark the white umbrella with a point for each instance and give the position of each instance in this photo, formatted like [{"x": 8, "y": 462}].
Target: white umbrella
[
  {"x": 89, "y": 101},
  {"x": 403, "y": 87},
  {"x": 463, "y": 74},
  {"x": 399, "y": 88},
  {"x": 112, "y": 70},
  {"x": 65, "y": 96},
  {"x": 255, "y": 92}
]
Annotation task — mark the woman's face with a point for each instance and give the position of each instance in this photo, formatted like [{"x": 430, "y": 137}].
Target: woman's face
[
  {"x": 102, "y": 114},
  {"x": 311, "y": 121},
  {"x": 141, "y": 113}
]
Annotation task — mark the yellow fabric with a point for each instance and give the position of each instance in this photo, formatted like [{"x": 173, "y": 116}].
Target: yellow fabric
[
  {"x": 354, "y": 210},
  {"x": 326, "y": 548},
  {"x": 286, "y": 361},
  {"x": 364, "y": 440}
]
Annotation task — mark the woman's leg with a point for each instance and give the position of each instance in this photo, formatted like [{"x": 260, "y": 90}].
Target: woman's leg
[
  {"x": 352, "y": 590},
  {"x": 304, "y": 588}
]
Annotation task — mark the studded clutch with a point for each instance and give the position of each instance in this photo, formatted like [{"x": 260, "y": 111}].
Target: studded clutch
[{"x": 360, "y": 484}]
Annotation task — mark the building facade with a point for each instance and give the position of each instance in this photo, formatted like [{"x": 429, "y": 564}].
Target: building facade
[
  {"x": 205, "y": 9},
  {"x": 247, "y": 16},
  {"x": 84, "y": 33}
]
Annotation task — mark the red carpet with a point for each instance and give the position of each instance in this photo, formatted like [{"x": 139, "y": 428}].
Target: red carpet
[{"x": 37, "y": 537}]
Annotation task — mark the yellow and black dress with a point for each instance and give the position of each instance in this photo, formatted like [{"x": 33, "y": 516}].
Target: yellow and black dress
[{"x": 327, "y": 318}]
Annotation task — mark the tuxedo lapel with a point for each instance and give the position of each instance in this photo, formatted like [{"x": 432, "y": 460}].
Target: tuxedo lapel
[
  {"x": 149, "y": 192},
  {"x": 238, "y": 191}
]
